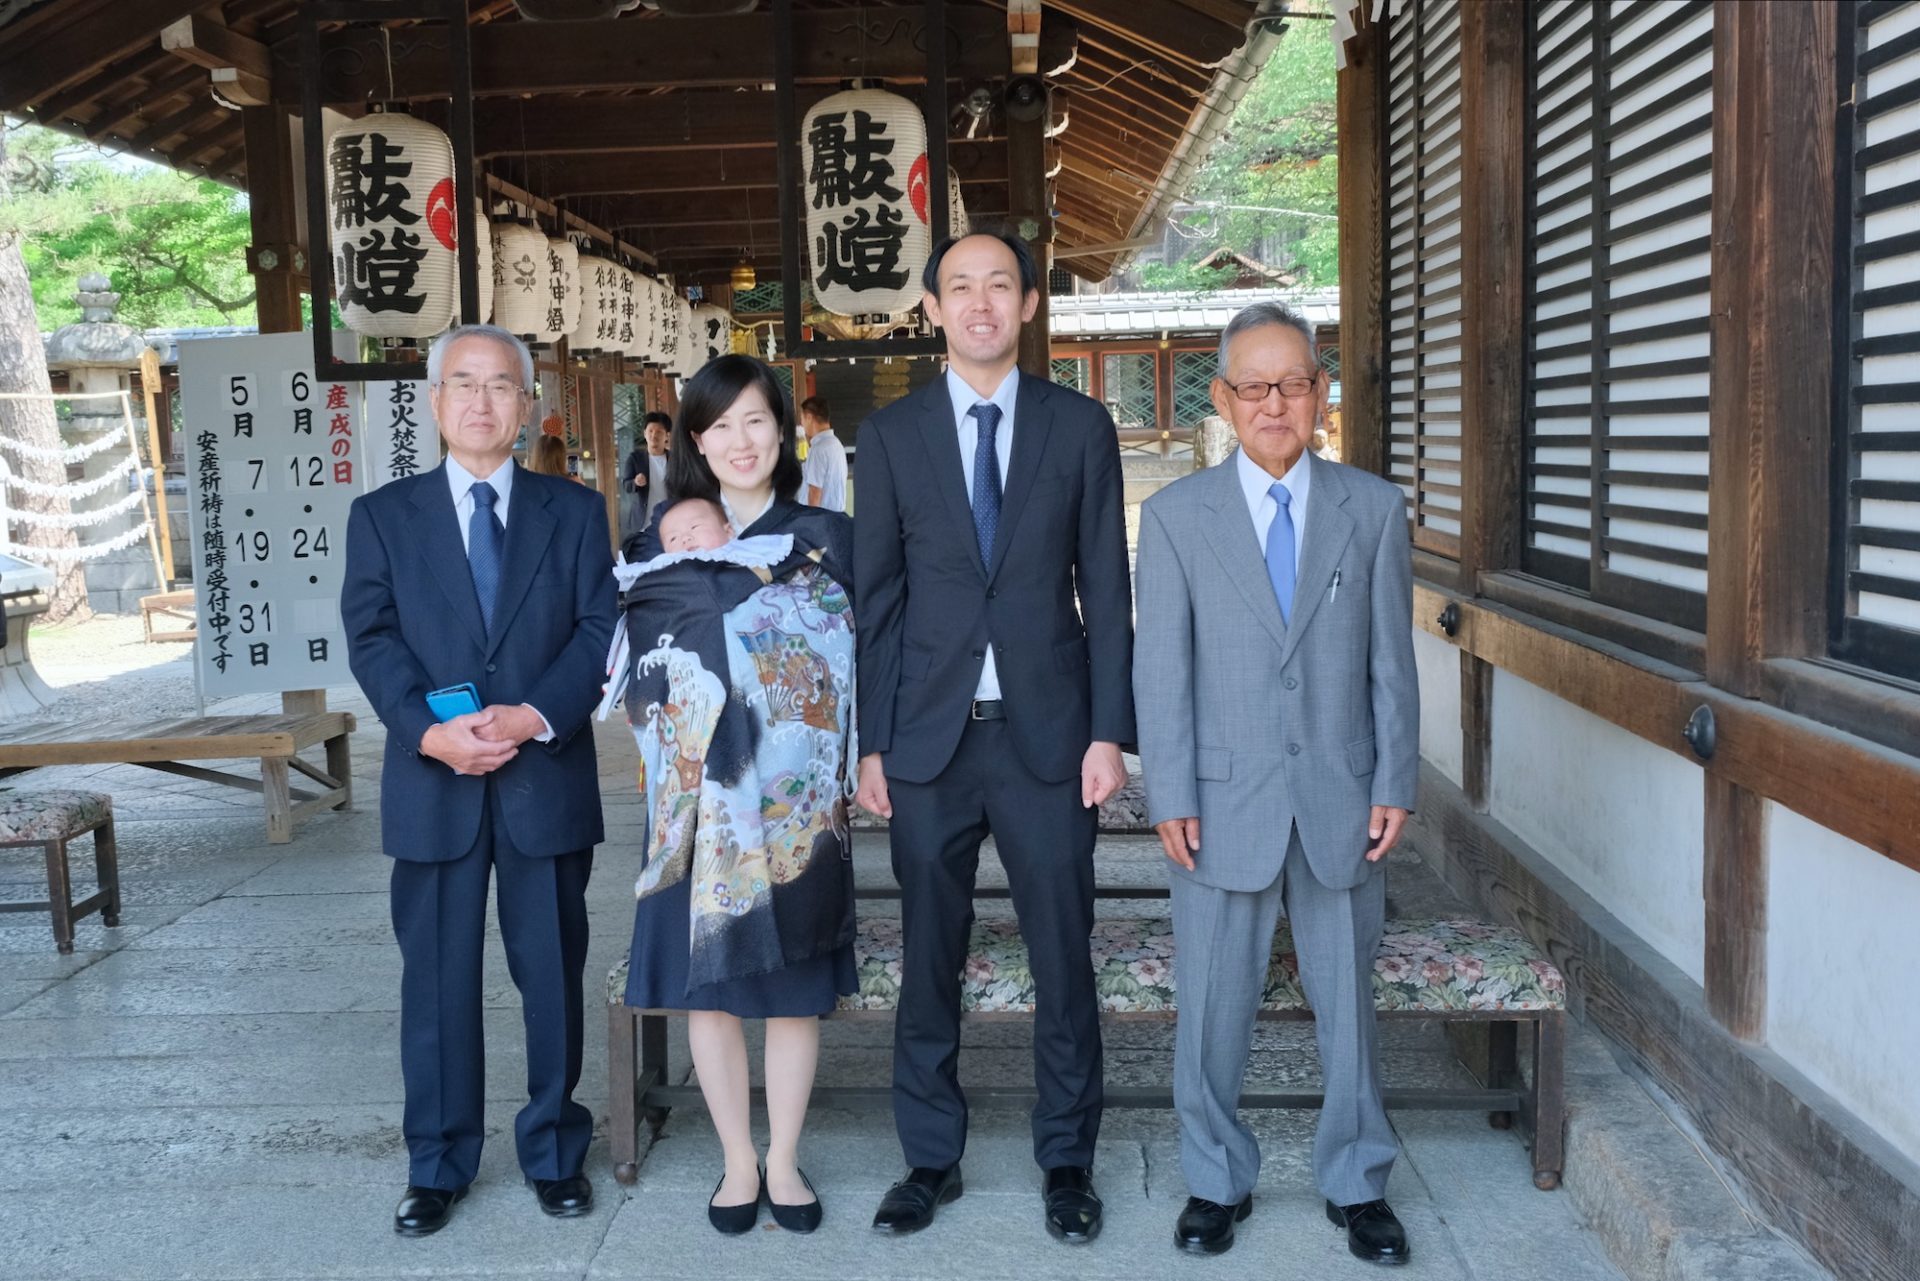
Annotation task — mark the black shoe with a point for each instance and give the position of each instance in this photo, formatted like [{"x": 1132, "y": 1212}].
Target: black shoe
[
  {"x": 1206, "y": 1227},
  {"x": 1373, "y": 1233},
  {"x": 424, "y": 1211},
  {"x": 735, "y": 1219},
  {"x": 563, "y": 1198},
  {"x": 1073, "y": 1207},
  {"x": 909, "y": 1204},
  {"x": 797, "y": 1218}
]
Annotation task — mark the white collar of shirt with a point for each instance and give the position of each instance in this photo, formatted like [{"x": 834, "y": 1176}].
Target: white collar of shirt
[
  {"x": 462, "y": 481},
  {"x": 1254, "y": 484},
  {"x": 965, "y": 398}
]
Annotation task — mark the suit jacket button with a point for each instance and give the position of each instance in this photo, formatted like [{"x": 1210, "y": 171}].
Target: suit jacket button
[
  {"x": 490, "y": 667},
  {"x": 1293, "y": 749},
  {"x": 1292, "y": 683},
  {"x": 979, "y": 653}
]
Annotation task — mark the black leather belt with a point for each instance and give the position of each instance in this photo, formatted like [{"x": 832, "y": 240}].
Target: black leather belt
[{"x": 988, "y": 709}]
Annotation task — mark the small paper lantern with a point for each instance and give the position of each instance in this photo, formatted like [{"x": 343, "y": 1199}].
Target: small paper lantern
[
  {"x": 627, "y": 317},
  {"x": 649, "y": 332},
  {"x": 599, "y": 306},
  {"x": 563, "y": 288},
  {"x": 520, "y": 277},
  {"x": 865, "y": 152},
  {"x": 712, "y": 333},
  {"x": 391, "y": 216}
]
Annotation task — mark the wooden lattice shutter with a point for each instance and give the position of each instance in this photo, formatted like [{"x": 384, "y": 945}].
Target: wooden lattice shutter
[
  {"x": 1620, "y": 174},
  {"x": 1876, "y": 602},
  {"x": 1423, "y": 268}
]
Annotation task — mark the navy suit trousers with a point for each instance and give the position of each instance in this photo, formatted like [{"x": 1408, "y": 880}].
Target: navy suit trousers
[{"x": 439, "y": 918}]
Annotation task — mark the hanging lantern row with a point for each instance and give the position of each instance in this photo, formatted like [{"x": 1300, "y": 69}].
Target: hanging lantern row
[{"x": 868, "y": 234}]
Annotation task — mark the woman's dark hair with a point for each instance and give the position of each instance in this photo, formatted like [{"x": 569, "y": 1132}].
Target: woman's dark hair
[
  {"x": 705, "y": 397},
  {"x": 1023, "y": 256}
]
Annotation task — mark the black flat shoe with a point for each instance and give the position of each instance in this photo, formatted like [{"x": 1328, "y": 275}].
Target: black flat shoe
[
  {"x": 797, "y": 1218},
  {"x": 1206, "y": 1227},
  {"x": 909, "y": 1204},
  {"x": 563, "y": 1198},
  {"x": 1373, "y": 1233},
  {"x": 735, "y": 1219},
  {"x": 424, "y": 1211},
  {"x": 1073, "y": 1207}
]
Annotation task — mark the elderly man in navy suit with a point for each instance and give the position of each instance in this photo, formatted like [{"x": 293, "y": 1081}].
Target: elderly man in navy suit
[{"x": 480, "y": 571}]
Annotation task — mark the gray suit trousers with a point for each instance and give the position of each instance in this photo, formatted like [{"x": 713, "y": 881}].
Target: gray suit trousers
[{"x": 1223, "y": 939}]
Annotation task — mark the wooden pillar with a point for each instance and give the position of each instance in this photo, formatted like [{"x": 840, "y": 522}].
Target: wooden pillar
[
  {"x": 1476, "y": 731},
  {"x": 1361, "y": 123},
  {"x": 269, "y": 144},
  {"x": 1493, "y": 81},
  {"x": 1770, "y": 416},
  {"x": 596, "y": 411},
  {"x": 1030, "y": 212}
]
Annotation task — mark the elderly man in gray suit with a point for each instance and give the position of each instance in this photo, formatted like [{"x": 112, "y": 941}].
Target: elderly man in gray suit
[{"x": 1279, "y": 737}]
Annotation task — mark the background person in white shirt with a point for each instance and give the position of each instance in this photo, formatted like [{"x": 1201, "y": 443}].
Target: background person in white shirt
[{"x": 826, "y": 466}]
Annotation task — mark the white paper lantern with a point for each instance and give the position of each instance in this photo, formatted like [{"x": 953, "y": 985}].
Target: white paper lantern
[
  {"x": 599, "y": 306},
  {"x": 520, "y": 280},
  {"x": 865, "y": 153},
  {"x": 712, "y": 333},
  {"x": 563, "y": 288},
  {"x": 651, "y": 300},
  {"x": 627, "y": 324},
  {"x": 483, "y": 253},
  {"x": 391, "y": 217}
]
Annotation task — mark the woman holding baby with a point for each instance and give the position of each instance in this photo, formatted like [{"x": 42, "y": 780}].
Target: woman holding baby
[{"x": 740, "y": 626}]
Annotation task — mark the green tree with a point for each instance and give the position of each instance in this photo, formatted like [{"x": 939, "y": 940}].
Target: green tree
[
  {"x": 1271, "y": 171},
  {"x": 173, "y": 245}
]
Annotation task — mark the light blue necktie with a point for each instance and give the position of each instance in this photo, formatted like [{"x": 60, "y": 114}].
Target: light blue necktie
[
  {"x": 485, "y": 537},
  {"x": 1280, "y": 550},
  {"x": 986, "y": 480}
]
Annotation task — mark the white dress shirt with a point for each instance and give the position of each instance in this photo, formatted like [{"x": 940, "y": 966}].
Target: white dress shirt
[
  {"x": 827, "y": 468},
  {"x": 1255, "y": 482},
  {"x": 964, "y": 399},
  {"x": 656, "y": 490},
  {"x": 462, "y": 481}
]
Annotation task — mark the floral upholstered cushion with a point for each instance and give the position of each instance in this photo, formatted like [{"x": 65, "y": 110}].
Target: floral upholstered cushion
[
  {"x": 1422, "y": 965},
  {"x": 50, "y": 815}
]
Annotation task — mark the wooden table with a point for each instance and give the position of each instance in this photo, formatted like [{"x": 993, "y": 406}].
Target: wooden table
[{"x": 166, "y": 744}]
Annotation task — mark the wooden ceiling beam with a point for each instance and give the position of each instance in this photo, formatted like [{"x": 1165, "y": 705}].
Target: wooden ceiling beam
[
  {"x": 113, "y": 119},
  {"x": 625, "y": 54},
  {"x": 205, "y": 42},
  {"x": 1163, "y": 27},
  {"x": 603, "y": 175},
  {"x": 159, "y": 131},
  {"x": 649, "y": 210},
  {"x": 103, "y": 31}
]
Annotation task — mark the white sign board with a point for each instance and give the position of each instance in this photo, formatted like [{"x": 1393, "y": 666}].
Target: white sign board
[
  {"x": 274, "y": 459},
  {"x": 400, "y": 439}
]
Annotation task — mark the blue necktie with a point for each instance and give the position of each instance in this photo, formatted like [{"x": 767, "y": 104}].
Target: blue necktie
[
  {"x": 1280, "y": 550},
  {"x": 986, "y": 480},
  {"x": 485, "y": 539}
]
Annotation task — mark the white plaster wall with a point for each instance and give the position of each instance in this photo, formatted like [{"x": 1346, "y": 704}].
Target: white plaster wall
[
  {"x": 1439, "y": 666},
  {"x": 1840, "y": 1000},
  {"x": 1620, "y": 816}
]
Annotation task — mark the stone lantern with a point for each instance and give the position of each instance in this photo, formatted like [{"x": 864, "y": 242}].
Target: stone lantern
[{"x": 99, "y": 354}]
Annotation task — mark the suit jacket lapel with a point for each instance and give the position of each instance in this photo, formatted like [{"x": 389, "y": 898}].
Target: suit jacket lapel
[
  {"x": 1032, "y": 421},
  {"x": 529, "y": 529},
  {"x": 1328, "y": 529},
  {"x": 942, "y": 441},
  {"x": 437, "y": 530},
  {"x": 1230, "y": 533}
]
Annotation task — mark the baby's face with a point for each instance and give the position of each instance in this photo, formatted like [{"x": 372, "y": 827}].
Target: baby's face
[{"x": 694, "y": 527}]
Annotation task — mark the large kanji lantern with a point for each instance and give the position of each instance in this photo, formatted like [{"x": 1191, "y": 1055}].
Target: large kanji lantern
[
  {"x": 599, "y": 306},
  {"x": 563, "y": 289},
  {"x": 520, "y": 280},
  {"x": 865, "y": 152},
  {"x": 391, "y": 220}
]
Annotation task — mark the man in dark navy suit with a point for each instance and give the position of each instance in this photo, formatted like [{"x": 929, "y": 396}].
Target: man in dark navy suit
[
  {"x": 485, "y": 572},
  {"x": 995, "y": 641}
]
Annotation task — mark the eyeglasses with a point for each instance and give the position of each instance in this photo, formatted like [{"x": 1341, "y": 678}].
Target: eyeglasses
[
  {"x": 1256, "y": 391},
  {"x": 461, "y": 390}
]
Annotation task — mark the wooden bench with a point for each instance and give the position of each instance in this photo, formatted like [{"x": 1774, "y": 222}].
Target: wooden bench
[
  {"x": 1463, "y": 973},
  {"x": 164, "y": 744},
  {"x": 172, "y": 607}
]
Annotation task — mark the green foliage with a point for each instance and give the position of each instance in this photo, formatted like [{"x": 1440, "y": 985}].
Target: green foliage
[
  {"x": 173, "y": 245},
  {"x": 1276, "y": 159}
]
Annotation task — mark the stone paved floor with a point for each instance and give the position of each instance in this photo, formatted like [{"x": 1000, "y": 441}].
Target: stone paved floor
[{"x": 213, "y": 1091}]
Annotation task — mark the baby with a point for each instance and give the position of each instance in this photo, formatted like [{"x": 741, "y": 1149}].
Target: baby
[{"x": 694, "y": 524}]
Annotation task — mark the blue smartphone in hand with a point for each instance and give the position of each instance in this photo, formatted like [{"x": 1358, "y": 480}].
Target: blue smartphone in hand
[{"x": 454, "y": 700}]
